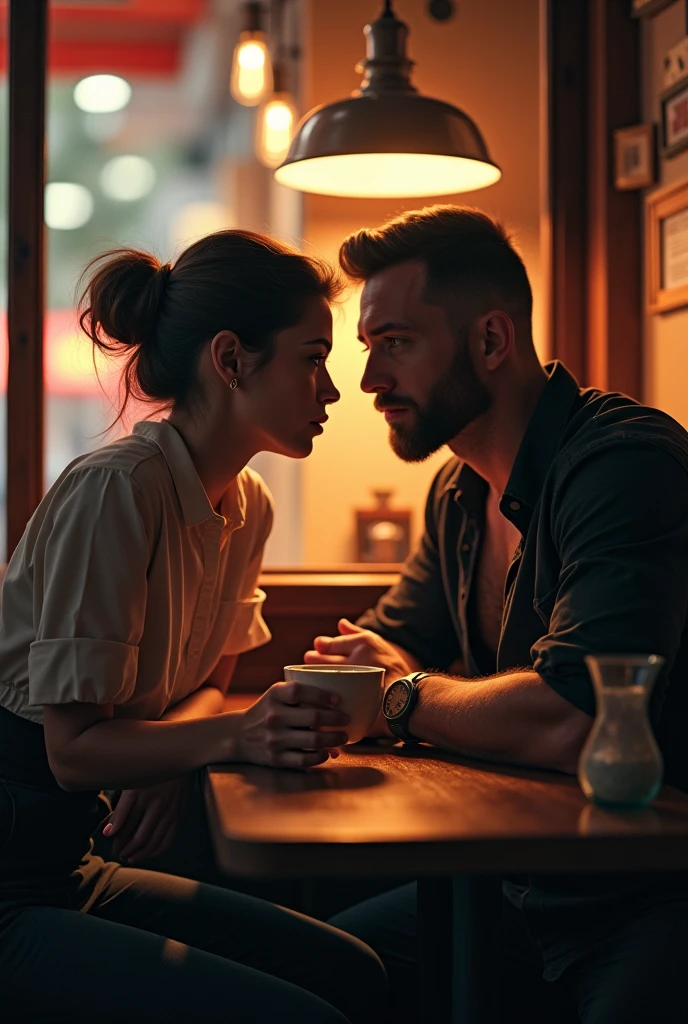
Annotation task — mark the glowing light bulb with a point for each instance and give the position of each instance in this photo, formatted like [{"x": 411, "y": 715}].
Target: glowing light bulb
[
  {"x": 251, "y": 79},
  {"x": 67, "y": 205},
  {"x": 102, "y": 94},
  {"x": 127, "y": 178},
  {"x": 275, "y": 128}
]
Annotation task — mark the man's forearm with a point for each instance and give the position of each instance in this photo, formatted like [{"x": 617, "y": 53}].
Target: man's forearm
[{"x": 515, "y": 718}]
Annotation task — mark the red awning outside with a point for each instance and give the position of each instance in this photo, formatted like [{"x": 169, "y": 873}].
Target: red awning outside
[{"x": 143, "y": 37}]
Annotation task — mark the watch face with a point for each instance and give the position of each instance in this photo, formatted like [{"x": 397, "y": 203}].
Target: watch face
[{"x": 396, "y": 699}]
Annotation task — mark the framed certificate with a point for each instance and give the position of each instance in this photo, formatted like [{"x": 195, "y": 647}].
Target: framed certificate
[{"x": 666, "y": 248}]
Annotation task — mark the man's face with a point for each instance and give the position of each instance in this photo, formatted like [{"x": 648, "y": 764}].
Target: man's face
[{"x": 420, "y": 366}]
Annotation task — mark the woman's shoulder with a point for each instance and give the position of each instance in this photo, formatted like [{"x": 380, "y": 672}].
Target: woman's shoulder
[
  {"x": 129, "y": 464},
  {"x": 129, "y": 455}
]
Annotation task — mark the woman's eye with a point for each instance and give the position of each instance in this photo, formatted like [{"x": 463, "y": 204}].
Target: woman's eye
[{"x": 317, "y": 359}]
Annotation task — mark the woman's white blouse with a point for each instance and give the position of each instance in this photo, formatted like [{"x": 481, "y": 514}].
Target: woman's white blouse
[{"x": 127, "y": 587}]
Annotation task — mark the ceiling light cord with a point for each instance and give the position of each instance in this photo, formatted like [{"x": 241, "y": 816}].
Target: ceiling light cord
[{"x": 388, "y": 12}]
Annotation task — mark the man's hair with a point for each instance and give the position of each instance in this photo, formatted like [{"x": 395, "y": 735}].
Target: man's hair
[{"x": 467, "y": 255}]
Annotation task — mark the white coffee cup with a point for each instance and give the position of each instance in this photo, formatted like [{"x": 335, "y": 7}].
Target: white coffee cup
[{"x": 359, "y": 686}]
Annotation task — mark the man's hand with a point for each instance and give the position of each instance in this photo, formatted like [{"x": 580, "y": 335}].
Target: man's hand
[
  {"x": 145, "y": 821},
  {"x": 357, "y": 646}
]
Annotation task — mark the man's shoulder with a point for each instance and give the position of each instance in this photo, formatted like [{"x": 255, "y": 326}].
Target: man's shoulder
[{"x": 606, "y": 421}]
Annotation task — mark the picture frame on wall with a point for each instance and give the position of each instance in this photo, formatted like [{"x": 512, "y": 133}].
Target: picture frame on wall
[
  {"x": 634, "y": 157},
  {"x": 641, "y": 8},
  {"x": 666, "y": 248},
  {"x": 674, "y": 123}
]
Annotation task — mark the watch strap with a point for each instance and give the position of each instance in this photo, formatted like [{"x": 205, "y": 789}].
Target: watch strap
[{"x": 399, "y": 727}]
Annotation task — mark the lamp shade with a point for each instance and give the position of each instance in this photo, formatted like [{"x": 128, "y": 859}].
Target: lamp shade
[{"x": 387, "y": 139}]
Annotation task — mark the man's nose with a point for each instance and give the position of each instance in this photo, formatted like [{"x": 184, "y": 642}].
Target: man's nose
[{"x": 375, "y": 379}]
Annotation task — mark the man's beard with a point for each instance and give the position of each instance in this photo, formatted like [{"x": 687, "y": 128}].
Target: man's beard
[{"x": 454, "y": 401}]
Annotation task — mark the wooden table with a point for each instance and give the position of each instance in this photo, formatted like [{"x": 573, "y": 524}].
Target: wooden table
[{"x": 455, "y": 824}]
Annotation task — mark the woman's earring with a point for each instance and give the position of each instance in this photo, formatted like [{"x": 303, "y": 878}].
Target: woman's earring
[{"x": 234, "y": 384}]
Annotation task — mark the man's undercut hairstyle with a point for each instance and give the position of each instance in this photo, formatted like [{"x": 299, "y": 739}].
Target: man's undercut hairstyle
[{"x": 468, "y": 257}]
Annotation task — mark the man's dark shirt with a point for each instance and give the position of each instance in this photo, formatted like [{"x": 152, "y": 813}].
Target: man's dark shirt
[{"x": 599, "y": 494}]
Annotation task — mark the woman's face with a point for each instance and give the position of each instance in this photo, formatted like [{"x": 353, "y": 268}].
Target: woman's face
[{"x": 286, "y": 401}]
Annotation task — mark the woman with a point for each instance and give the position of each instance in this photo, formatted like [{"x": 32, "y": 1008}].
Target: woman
[{"x": 124, "y": 608}]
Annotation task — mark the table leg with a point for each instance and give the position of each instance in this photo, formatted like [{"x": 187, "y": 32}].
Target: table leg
[
  {"x": 434, "y": 950},
  {"x": 476, "y": 908}
]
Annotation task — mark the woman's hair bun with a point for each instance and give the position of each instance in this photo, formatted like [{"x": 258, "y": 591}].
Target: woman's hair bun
[{"x": 121, "y": 301}]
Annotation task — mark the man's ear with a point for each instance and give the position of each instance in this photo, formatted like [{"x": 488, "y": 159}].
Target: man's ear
[
  {"x": 227, "y": 356},
  {"x": 498, "y": 333}
]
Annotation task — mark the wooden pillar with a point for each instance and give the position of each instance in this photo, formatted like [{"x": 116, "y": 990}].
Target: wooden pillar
[
  {"x": 567, "y": 87},
  {"x": 614, "y": 337},
  {"x": 27, "y": 83},
  {"x": 595, "y": 251}
]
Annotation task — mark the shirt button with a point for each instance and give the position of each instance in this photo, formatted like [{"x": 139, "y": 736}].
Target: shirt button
[{"x": 514, "y": 505}]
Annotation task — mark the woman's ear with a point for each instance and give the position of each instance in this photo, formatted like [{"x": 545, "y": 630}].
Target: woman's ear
[{"x": 226, "y": 354}]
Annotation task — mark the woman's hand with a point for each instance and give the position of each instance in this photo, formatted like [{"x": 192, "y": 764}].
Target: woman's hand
[
  {"x": 291, "y": 726},
  {"x": 144, "y": 822}
]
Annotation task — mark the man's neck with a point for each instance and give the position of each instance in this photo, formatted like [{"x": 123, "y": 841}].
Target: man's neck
[{"x": 490, "y": 444}]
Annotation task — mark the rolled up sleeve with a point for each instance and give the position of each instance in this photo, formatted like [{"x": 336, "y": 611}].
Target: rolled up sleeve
[
  {"x": 621, "y": 527},
  {"x": 90, "y": 592}
]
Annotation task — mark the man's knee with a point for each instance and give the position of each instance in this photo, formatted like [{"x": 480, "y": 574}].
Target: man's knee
[{"x": 638, "y": 974}]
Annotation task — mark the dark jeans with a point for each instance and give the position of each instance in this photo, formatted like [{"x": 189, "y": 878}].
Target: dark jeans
[
  {"x": 82, "y": 939},
  {"x": 636, "y": 975}
]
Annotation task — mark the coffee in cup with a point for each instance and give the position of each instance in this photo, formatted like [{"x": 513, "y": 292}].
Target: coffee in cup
[{"x": 359, "y": 686}]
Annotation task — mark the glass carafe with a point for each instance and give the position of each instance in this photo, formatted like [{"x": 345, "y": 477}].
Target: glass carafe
[{"x": 620, "y": 764}]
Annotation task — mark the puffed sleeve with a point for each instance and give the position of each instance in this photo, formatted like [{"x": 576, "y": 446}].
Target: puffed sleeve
[
  {"x": 245, "y": 627},
  {"x": 90, "y": 588}
]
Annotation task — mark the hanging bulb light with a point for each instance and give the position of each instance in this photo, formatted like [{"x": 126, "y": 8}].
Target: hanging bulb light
[
  {"x": 276, "y": 123},
  {"x": 251, "y": 79},
  {"x": 387, "y": 140}
]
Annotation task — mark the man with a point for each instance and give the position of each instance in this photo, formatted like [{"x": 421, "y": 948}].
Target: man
[{"x": 559, "y": 528}]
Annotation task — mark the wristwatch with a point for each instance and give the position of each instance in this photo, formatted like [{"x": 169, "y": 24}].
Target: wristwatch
[{"x": 398, "y": 703}]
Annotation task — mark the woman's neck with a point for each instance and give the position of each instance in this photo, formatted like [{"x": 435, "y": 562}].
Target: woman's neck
[{"x": 217, "y": 463}]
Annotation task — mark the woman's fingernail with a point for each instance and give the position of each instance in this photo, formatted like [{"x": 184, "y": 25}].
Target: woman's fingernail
[{"x": 108, "y": 829}]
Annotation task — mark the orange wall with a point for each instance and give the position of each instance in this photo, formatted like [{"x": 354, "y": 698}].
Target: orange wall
[
  {"x": 666, "y": 336},
  {"x": 486, "y": 61}
]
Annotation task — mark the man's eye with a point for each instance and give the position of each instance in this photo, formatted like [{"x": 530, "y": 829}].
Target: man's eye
[
  {"x": 396, "y": 342},
  {"x": 317, "y": 359}
]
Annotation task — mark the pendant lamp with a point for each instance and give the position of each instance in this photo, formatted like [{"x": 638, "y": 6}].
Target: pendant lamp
[
  {"x": 251, "y": 78},
  {"x": 387, "y": 140}
]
